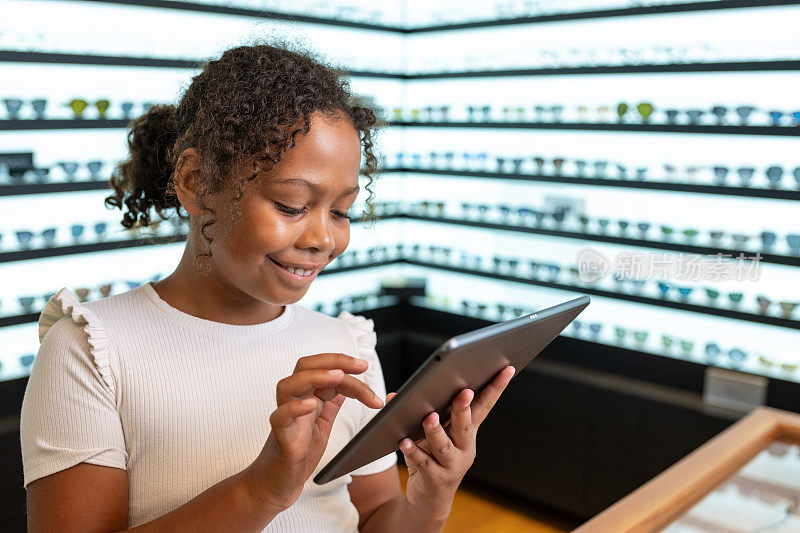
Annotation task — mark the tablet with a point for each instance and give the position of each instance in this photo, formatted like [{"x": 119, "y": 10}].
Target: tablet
[{"x": 467, "y": 361}]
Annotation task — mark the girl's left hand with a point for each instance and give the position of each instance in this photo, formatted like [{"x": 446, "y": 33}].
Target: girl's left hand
[{"x": 437, "y": 463}]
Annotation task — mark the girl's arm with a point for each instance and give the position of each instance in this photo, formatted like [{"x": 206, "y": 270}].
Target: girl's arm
[{"x": 89, "y": 497}]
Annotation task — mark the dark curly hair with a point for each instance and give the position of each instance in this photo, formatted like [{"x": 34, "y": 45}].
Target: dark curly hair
[{"x": 241, "y": 106}]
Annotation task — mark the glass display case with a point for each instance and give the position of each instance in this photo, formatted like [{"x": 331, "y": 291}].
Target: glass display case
[{"x": 745, "y": 479}]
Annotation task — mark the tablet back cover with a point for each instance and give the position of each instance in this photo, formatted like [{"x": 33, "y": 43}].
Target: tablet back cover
[{"x": 458, "y": 364}]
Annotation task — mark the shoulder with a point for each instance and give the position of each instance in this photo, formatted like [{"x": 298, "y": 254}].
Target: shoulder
[
  {"x": 66, "y": 323},
  {"x": 356, "y": 328},
  {"x": 355, "y": 331},
  {"x": 362, "y": 329}
]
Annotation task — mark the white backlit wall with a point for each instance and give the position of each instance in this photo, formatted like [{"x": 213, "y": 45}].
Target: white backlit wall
[{"x": 169, "y": 35}]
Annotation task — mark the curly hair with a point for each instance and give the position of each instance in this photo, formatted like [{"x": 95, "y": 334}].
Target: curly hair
[{"x": 240, "y": 107}]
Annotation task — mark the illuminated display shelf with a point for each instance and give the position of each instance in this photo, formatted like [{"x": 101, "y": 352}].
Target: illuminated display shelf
[
  {"x": 613, "y": 126},
  {"x": 694, "y": 357},
  {"x": 744, "y": 66},
  {"x": 751, "y": 365},
  {"x": 52, "y": 124},
  {"x": 554, "y": 17},
  {"x": 791, "y": 323},
  {"x": 751, "y": 192},
  {"x": 38, "y": 253},
  {"x": 126, "y": 61},
  {"x": 780, "y": 193},
  {"x": 662, "y": 245}
]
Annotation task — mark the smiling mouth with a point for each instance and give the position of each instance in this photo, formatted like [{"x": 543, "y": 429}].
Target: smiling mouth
[{"x": 284, "y": 267}]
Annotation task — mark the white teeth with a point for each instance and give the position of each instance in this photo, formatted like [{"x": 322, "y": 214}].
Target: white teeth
[{"x": 299, "y": 271}]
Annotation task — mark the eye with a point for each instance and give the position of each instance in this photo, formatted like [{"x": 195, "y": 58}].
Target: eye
[
  {"x": 288, "y": 210},
  {"x": 292, "y": 211}
]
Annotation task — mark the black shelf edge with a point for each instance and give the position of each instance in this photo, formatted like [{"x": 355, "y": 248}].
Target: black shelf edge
[
  {"x": 129, "y": 61},
  {"x": 55, "y": 251},
  {"x": 613, "y": 126},
  {"x": 732, "y": 66},
  {"x": 55, "y": 187},
  {"x": 606, "y": 13},
  {"x": 14, "y": 320},
  {"x": 639, "y": 243},
  {"x": 63, "y": 124},
  {"x": 245, "y": 12},
  {"x": 556, "y": 17},
  {"x": 674, "y": 304},
  {"x": 37, "y": 253},
  {"x": 94, "y": 59},
  {"x": 777, "y": 194},
  {"x": 725, "y": 190}
]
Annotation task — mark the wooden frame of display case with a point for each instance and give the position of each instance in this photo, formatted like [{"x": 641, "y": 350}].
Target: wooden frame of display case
[{"x": 662, "y": 500}]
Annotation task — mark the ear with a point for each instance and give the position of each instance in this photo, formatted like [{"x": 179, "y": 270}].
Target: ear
[{"x": 187, "y": 174}]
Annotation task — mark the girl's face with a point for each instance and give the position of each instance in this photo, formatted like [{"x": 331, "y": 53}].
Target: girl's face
[{"x": 295, "y": 215}]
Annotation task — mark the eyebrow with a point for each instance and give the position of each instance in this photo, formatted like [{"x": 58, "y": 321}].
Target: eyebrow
[{"x": 302, "y": 182}]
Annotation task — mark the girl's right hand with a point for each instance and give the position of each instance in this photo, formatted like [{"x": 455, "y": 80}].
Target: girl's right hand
[{"x": 308, "y": 402}]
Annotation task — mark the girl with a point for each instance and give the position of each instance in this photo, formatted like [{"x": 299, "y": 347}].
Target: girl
[{"x": 207, "y": 401}]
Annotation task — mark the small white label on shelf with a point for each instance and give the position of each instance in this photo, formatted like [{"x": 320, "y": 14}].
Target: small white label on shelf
[{"x": 734, "y": 390}]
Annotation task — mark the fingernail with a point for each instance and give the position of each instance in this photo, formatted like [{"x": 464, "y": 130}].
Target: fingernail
[{"x": 406, "y": 444}]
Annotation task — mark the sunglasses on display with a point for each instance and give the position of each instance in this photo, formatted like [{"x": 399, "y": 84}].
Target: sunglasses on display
[
  {"x": 736, "y": 355},
  {"x": 686, "y": 346},
  {"x": 29, "y": 304},
  {"x": 645, "y": 111},
  {"x": 594, "y": 327},
  {"x": 78, "y": 106}
]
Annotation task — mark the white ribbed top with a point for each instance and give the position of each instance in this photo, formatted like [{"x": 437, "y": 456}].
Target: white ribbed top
[{"x": 182, "y": 402}]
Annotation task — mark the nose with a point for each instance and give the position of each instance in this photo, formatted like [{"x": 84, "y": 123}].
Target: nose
[{"x": 318, "y": 234}]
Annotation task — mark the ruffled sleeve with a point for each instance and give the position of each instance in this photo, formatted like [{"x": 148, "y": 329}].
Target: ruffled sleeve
[
  {"x": 69, "y": 411},
  {"x": 363, "y": 331},
  {"x": 65, "y": 303}
]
